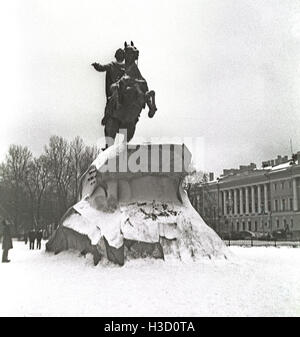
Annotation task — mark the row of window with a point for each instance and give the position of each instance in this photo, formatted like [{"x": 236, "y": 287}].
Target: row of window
[
  {"x": 282, "y": 184},
  {"x": 230, "y": 203},
  {"x": 283, "y": 205},
  {"x": 255, "y": 210},
  {"x": 279, "y": 205},
  {"x": 284, "y": 223},
  {"x": 255, "y": 227}
]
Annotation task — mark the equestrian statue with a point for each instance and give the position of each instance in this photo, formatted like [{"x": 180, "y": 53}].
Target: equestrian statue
[{"x": 127, "y": 94}]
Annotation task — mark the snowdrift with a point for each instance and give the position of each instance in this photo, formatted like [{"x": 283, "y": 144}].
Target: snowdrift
[{"x": 131, "y": 203}]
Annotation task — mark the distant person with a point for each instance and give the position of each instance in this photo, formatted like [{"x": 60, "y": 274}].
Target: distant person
[
  {"x": 46, "y": 233},
  {"x": 7, "y": 242},
  {"x": 32, "y": 237},
  {"x": 26, "y": 238},
  {"x": 39, "y": 236}
]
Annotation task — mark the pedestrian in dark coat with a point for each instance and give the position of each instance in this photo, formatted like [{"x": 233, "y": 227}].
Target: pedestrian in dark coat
[
  {"x": 26, "y": 238},
  {"x": 32, "y": 237},
  {"x": 7, "y": 242},
  {"x": 39, "y": 236}
]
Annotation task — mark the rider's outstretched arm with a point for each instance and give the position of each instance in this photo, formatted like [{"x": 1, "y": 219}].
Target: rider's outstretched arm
[{"x": 101, "y": 67}]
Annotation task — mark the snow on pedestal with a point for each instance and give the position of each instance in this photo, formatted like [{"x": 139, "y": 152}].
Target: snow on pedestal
[{"x": 132, "y": 195}]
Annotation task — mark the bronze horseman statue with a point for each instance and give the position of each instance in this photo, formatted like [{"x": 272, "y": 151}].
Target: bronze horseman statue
[
  {"x": 129, "y": 210},
  {"x": 127, "y": 93}
]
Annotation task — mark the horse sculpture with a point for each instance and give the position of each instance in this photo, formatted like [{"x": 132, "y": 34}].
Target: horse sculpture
[{"x": 130, "y": 94}]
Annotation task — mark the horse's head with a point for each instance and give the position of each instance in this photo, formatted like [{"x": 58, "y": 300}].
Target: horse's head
[{"x": 131, "y": 53}]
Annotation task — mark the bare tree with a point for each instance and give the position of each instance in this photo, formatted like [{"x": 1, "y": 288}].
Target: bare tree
[
  {"x": 90, "y": 153},
  {"x": 36, "y": 191},
  {"x": 36, "y": 181},
  {"x": 77, "y": 151},
  {"x": 59, "y": 160},
  {"x": 13, "y": 172}
]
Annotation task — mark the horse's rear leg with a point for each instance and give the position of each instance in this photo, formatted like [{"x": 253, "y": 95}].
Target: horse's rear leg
[
  {"x": 110, "y": 131},
  {"x": 128, "y": 132}
]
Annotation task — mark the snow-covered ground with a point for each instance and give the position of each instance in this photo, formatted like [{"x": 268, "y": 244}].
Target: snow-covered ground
[{"x": 257, "y": 281}]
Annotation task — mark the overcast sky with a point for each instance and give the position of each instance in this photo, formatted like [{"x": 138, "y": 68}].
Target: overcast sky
[{"x": 226, "y": 71}]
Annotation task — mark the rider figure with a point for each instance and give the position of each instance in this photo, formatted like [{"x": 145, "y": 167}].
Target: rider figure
[
  {"x": 134, "y": 78},
  {"x": 127, "y": 93},
  {"x": 114, "y": 71}
]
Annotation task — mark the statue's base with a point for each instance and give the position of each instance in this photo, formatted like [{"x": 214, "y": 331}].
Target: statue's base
[{"x": 130, "y": 212}]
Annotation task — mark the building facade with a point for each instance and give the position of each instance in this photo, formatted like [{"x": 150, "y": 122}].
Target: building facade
[{"x": 257, "y": 200}]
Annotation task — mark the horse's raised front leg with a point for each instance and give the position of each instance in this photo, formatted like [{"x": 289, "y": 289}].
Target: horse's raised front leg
[{"x": 150, "y": 100}]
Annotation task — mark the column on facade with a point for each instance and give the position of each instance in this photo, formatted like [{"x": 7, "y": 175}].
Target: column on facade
[
  {"x": 235, "y": 203},
  {"x": 295, "y": 195},
  {"x": 241, "y": 201},
  {"x": 258, "y": 199},
  {"x": 253, "y": 199},
  {"x": 266, "y": 198},
  {"x": 225, "y": 202},
  {"x": 247, "y": 199},
  {"x": 230, "y": 201}
]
